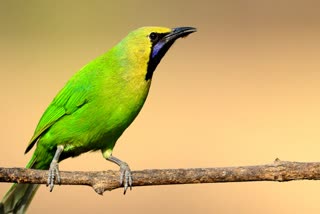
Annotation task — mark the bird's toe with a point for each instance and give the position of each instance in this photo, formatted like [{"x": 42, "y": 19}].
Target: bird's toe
[
  {"x": 125, "y": 177},
  {"x": 53, "y": 174}
]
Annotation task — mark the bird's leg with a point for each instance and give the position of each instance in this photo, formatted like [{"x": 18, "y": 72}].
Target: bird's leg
[
  {"x": 54, "y": 168},
  {"x": 125, "y": 173}
]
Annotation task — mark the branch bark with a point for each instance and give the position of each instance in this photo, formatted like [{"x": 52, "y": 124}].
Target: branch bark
[{"x": 108, "y": 180}]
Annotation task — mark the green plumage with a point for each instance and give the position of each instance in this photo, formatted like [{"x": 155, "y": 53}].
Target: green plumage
[{"x": 93, "y": 109}]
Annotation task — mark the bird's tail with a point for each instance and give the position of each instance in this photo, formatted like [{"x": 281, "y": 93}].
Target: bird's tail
[{"x": 19, "y": 196}]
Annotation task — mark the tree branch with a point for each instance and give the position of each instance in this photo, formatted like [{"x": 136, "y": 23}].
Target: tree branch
[{"x": 108, "y": 180}]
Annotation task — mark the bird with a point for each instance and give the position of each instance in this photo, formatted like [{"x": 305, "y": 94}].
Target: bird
[{"x": 94, "y": 108}]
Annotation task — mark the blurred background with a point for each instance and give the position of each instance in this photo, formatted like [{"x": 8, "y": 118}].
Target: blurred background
[{"x": 243, "y": 90}]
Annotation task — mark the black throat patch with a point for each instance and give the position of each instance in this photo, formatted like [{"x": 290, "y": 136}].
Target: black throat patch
[{"x": 159, "y": 47}]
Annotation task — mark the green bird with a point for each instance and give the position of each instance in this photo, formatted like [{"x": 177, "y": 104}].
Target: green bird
[{"x": 94, "y": 108}]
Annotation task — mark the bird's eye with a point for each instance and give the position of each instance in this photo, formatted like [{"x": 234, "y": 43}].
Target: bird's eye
[{"x": 153, "y": 37}]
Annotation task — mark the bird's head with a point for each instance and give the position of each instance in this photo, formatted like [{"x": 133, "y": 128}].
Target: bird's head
[{"x": 151, "y": 44}]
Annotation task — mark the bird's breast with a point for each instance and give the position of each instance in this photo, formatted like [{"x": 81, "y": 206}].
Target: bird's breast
[{"x": 121, "y": 101}]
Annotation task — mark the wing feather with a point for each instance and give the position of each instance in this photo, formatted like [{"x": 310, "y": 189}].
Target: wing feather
[{"x": 69, "y": 99}]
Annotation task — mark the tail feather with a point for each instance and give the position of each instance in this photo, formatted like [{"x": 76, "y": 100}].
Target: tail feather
[
  {"x": 1, "y": 208},
  {"x": 18, "y": 198}
]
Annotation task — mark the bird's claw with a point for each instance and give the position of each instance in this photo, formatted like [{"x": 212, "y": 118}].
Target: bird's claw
[
  {"x": 53, "y": 173},
  {"x": 125, "y": 177}
]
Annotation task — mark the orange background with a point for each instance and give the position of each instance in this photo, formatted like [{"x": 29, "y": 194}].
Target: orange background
[{"x": 243, "y": 90}]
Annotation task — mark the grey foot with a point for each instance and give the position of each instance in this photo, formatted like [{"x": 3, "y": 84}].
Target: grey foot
[
  {"x": 53, "y": 173},
  {"x": 125, "y": 176},
  {"x": 125, "y": 173}
]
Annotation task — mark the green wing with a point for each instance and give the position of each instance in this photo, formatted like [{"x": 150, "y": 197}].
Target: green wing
[{"x": 71, "y": 98}]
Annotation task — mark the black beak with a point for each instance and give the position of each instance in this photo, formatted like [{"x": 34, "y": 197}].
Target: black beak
[{"x": 178, "y": 32}]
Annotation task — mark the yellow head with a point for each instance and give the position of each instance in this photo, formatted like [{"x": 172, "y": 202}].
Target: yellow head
[{"x": 148, "y": 45}]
